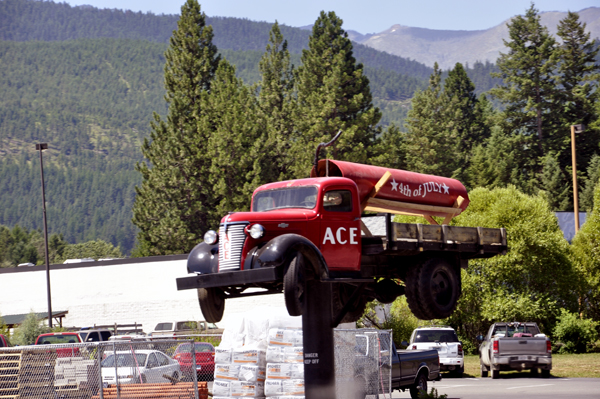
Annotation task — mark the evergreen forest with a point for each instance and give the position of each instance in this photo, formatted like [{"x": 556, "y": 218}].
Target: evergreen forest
[{"x": 87, "y": 82}]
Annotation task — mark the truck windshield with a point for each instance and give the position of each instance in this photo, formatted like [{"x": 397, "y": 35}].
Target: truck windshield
[
  {"x": 516, "y": 330},
  {"x": 436, "y": 336},
  {"x": 289, "y": 197}
]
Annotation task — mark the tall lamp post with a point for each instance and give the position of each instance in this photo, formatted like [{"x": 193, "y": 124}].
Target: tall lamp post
[
  {"x": 575, "y": 129},
  {"x": 41, "y": 147}
]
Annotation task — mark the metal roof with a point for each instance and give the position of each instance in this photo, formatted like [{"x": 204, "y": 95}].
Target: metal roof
[{"x": 12, "y": 320}]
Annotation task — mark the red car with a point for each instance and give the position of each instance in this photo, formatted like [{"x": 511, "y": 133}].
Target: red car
[
  {"x": 64, "y": 338},
  {"x": 205, "y": 359}
]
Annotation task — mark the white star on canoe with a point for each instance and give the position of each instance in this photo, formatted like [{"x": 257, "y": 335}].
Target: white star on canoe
[
  {"x": 394, "y": 185},
  {"x": 445, "y": 187}
]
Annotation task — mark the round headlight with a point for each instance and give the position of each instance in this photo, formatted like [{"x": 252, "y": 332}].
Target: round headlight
[
  {"x": 257, "y": 231},
  {"x": 210, "y": 237}
]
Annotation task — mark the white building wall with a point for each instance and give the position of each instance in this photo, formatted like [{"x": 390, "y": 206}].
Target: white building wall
[{"x": 115, "y": 292}]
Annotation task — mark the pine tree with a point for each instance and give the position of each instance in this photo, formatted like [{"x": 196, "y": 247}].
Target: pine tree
[
  {"x": 464, "y": 118},
  {"x": 554, "y": 183},
  {"x": 578, "y": 76},
  {"x": 333, "y": 95},
  {"x": 429, "y": 147},
  {"x": 172, "y": 203},
  {"x": 230, "y": 121},
  {"x": 529, "y": 92},
  {"x": 276, "y": 109}
]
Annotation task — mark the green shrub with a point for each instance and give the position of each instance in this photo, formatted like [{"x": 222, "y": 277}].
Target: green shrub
[
  {"x": 29, "y": 330},
  {"x": 577, "y": 335}
]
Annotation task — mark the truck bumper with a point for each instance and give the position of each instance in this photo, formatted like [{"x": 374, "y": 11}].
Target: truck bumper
[
  {"x": 231, "y": 279},
  {"x": 522, "y": 362}
]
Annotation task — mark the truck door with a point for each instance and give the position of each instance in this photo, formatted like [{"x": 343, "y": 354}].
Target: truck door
[{"x": 340, "y": 241}]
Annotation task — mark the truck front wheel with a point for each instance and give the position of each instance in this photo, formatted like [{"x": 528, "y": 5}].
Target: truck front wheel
[
  {"x": 212, "y": 304},
  {"x": 293, "y": 286}
]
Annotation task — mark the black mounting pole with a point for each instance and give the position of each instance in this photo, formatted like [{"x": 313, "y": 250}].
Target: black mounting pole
[
  {"x": 322, "y": 145},
  {"x": 319, "y": 361},
  {"x": 41, "y": 147}
]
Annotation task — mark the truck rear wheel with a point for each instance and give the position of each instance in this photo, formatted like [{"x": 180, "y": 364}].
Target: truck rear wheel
[
  {"x": 439, "y": 288},
  {"x": 420, "y": 388},
  {"x": 484, "y": 370},
  {"x": 212, "y": 304},
  {"x": 293, "y": 286},
  {"x": 412, "y": 292}
]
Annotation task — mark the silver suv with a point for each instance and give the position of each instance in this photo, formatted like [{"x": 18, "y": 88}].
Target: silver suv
[{"x": 445, "y": 341}]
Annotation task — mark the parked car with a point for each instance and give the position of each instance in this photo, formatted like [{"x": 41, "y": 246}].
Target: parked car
[
  {"x": 64, "y": 339},
  {"x": 188, "y": 327},
  {"x": 205, "y": 359},
  {"x": 445, "y": 341},
  {"x": 139, "y": 366},
  {"x": 98, "y": 335},
  {"x": 515, "y": 346}
]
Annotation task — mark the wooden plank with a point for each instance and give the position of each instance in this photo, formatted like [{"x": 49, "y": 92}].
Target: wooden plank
[
  {"x": 365, "y": 229},
  {"x": 410, "y": 207},
  {"x": 384, "y": 179},
  {"x": 430, "y": 219}
]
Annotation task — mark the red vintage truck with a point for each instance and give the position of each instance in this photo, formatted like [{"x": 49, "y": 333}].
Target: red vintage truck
[{"x": 315, "y": 228}]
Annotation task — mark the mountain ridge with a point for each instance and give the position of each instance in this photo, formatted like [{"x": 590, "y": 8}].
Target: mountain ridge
[{"x": 447, "y": 47}]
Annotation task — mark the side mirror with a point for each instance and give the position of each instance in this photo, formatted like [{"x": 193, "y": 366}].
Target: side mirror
[
  {"x": 480, "y": 338},
  {"x": 404, "y": 343}
]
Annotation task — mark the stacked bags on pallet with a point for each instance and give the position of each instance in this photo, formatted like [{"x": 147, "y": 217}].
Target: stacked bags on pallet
[
  {"x": 257, "y": 350},
  {"x": 285, "y": 364}
]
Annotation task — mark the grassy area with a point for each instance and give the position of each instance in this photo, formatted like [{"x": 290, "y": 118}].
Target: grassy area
[{"x": 573, "y": 366}]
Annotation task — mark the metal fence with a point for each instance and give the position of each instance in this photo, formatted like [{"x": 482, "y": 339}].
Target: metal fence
[
  {"x": 168, "y": 368},
  {"x": 106, "y": 370},
  {"x": 363, "y": 363}
]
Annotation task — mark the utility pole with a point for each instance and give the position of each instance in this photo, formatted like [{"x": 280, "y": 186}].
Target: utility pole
[
  {"x": 41, "y": 147},
  {"x": 575, "y": 129}
]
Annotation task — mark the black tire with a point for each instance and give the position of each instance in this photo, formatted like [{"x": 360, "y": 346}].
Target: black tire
[
  {"x": 495, "y": 374},
  {"x": 142, "y": 379},
  {"x": 175, "y": 375},
  {"x": 439, "y": 288},
  {"x": 545, "y": 373},
  {"x": 212, "y": 304},
  {"x": 534, "y": 372},
  {"x": 341, "y": 294},
  {"x": 420, "y": 387},
  {"x": 386, "y": 291},
  {"x": 412, "y": 292},
  {"x": 484, "y": 370},
  {"x": 458, "y": 373},
  {"x": 293, "y": 286}
]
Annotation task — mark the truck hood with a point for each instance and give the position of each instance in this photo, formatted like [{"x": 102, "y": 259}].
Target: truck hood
[{"x": 291, "y": 214}]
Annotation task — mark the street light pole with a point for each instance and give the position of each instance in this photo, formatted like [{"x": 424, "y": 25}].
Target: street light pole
[
  {"x": 41, "y": 147},
  {"x": 575, "y": 129}
]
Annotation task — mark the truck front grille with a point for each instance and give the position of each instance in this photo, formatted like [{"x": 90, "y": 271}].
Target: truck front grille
[{"x": 231, "y": 244}]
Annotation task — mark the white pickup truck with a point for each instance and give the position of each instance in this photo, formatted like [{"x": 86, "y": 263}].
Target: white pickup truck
[
  {"x": 445, "y": 341},
  {"x": 515, "y": 346}
]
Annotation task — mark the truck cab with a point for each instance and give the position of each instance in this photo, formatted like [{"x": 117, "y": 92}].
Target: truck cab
[{"x": 325, "y": 211}]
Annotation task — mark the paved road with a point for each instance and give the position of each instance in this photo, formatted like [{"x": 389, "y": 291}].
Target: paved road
[{"x": 510, "y": 387}]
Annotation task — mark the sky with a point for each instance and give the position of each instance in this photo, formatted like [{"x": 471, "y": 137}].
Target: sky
[{"x": 365, "y": 16}]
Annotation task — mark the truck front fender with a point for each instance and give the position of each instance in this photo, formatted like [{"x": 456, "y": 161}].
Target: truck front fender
[
  {"x": 203, "y": 259},
  {"x": 281, "y": 250}
]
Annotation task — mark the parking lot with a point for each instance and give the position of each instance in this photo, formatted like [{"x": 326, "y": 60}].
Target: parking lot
[{"x": 502, "y": 388}]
